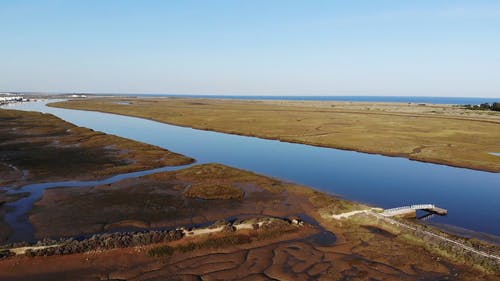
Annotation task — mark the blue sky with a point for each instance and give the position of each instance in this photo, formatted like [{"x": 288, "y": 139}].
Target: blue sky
[{"x": 419, "y": 48}]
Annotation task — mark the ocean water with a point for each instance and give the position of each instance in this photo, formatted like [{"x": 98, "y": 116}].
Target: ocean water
[{"x": 399, "y": 99}]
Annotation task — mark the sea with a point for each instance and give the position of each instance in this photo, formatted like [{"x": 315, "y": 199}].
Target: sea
[{"x": 398, "y": 99}]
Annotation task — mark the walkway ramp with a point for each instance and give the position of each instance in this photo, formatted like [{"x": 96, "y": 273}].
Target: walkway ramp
[{"x": 412, "y": 210}]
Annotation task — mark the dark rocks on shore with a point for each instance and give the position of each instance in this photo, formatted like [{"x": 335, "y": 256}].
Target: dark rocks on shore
[{"x": 5, "y": 254}]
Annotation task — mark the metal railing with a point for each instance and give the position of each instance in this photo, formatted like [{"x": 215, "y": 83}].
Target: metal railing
[{"x": 412, "y": 207}]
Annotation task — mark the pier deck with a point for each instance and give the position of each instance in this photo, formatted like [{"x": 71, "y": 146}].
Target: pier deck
[{"x": 412, "y": 210}]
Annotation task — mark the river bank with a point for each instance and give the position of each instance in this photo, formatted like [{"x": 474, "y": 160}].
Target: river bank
[
  {"x": 362, "y": 247},
  {"x": 164, "y": 200},
  {"x": 441, "y": 134},
  {"x": 356, "y": 176},
  {"x": 38, "y": 147}
]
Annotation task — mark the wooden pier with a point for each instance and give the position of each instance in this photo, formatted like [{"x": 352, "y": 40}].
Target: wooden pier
[
  {"x": 438, "y": 211},
  {"x": 411, "y": 211}
]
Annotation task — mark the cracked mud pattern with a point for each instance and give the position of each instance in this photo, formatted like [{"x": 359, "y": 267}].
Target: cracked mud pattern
[
  {"x": 296, "y": 260},
  {"x": 274, "y": 260},
  {"x": 285, "y": 261},
  {"x": 289, "y": 261}
]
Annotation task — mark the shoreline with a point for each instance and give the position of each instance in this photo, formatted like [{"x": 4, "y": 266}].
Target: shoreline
[
  {"x": 274, "y": 197},
  {"x": 141, "y": 226},
  {"x": 325, "y": 221},
  {"x": 42, "y": 149},
  {"x": 373, "y": 152}
]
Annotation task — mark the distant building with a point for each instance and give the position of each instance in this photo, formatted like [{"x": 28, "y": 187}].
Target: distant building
[
  {"x": 78, "y": 96},
  {"x": 11, "y": 99}
]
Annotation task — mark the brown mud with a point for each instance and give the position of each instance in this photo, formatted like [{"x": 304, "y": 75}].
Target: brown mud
[{"x": 362, "y": 250}]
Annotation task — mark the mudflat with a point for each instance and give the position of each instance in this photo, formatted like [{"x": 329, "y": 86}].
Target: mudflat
[
  {"x": 289, "y": 257},
  {"x": 167, "y": 199},
  {"x": 363, "y": 248},
  {"x": 443, "y": 134},
  {"x": 37, "y": 147}
]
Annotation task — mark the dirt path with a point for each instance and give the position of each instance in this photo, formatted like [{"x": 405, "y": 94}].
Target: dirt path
[
  {"x": 461, "y": 245},
  {"x": 349, "y": 214},
  {"x": 22, "y": 250},
  {"x": 372, "y": 212}
]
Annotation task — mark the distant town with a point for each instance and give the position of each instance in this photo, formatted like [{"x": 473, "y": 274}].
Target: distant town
[
  {"x": 6, "y": 98},
  {"x": 12, "y": 98}
]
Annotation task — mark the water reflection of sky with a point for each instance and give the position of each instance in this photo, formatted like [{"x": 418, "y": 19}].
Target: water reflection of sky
[{"x": 471, "y": 197}]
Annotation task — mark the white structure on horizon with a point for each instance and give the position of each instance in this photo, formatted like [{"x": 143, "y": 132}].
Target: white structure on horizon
[
  {"x": 12, "y": 99},
  {"x": 78, "y": 96},
  {"x": 15, "y": 98}
]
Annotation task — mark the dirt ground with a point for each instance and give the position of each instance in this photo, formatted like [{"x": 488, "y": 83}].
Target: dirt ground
[
  {"x": 359, "y": 251},
  {"x": 366, "y": 254},
  {"x": 442, "y": 134},
  {"x": 160, "y": 200},
  {"x": 302, "y": 258}
]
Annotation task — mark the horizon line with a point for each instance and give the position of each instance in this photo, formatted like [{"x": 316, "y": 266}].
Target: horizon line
[{"x": 234, "y": 95}]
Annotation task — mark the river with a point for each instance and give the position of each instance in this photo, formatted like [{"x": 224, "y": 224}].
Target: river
[{"x": 471, "y": 197}]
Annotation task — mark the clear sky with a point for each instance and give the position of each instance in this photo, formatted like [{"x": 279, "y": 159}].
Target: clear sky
[{"x": 269, "y": 47}]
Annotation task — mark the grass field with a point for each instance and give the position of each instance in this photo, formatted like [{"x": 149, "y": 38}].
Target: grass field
[
  {"x": 441, "y": 134},
  {"x": 36, "y": 147}
]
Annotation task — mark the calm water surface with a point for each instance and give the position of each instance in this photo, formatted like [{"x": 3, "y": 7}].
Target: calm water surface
[
  {"x": 471, "y": 197},
  {"x": 403, "y": 99}
]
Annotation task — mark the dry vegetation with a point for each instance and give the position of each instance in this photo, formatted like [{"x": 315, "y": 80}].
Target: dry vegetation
[
  {"x": 364, "y": 253},
  {"x": 210, "y": 192},
  {"x": 363, "y": 249},
  {"x": 431, "y": 133},
  {"x": 37, "y": 147},
  {"x": 228, "y": 237},
  {"x": 161, "y": 200}
]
